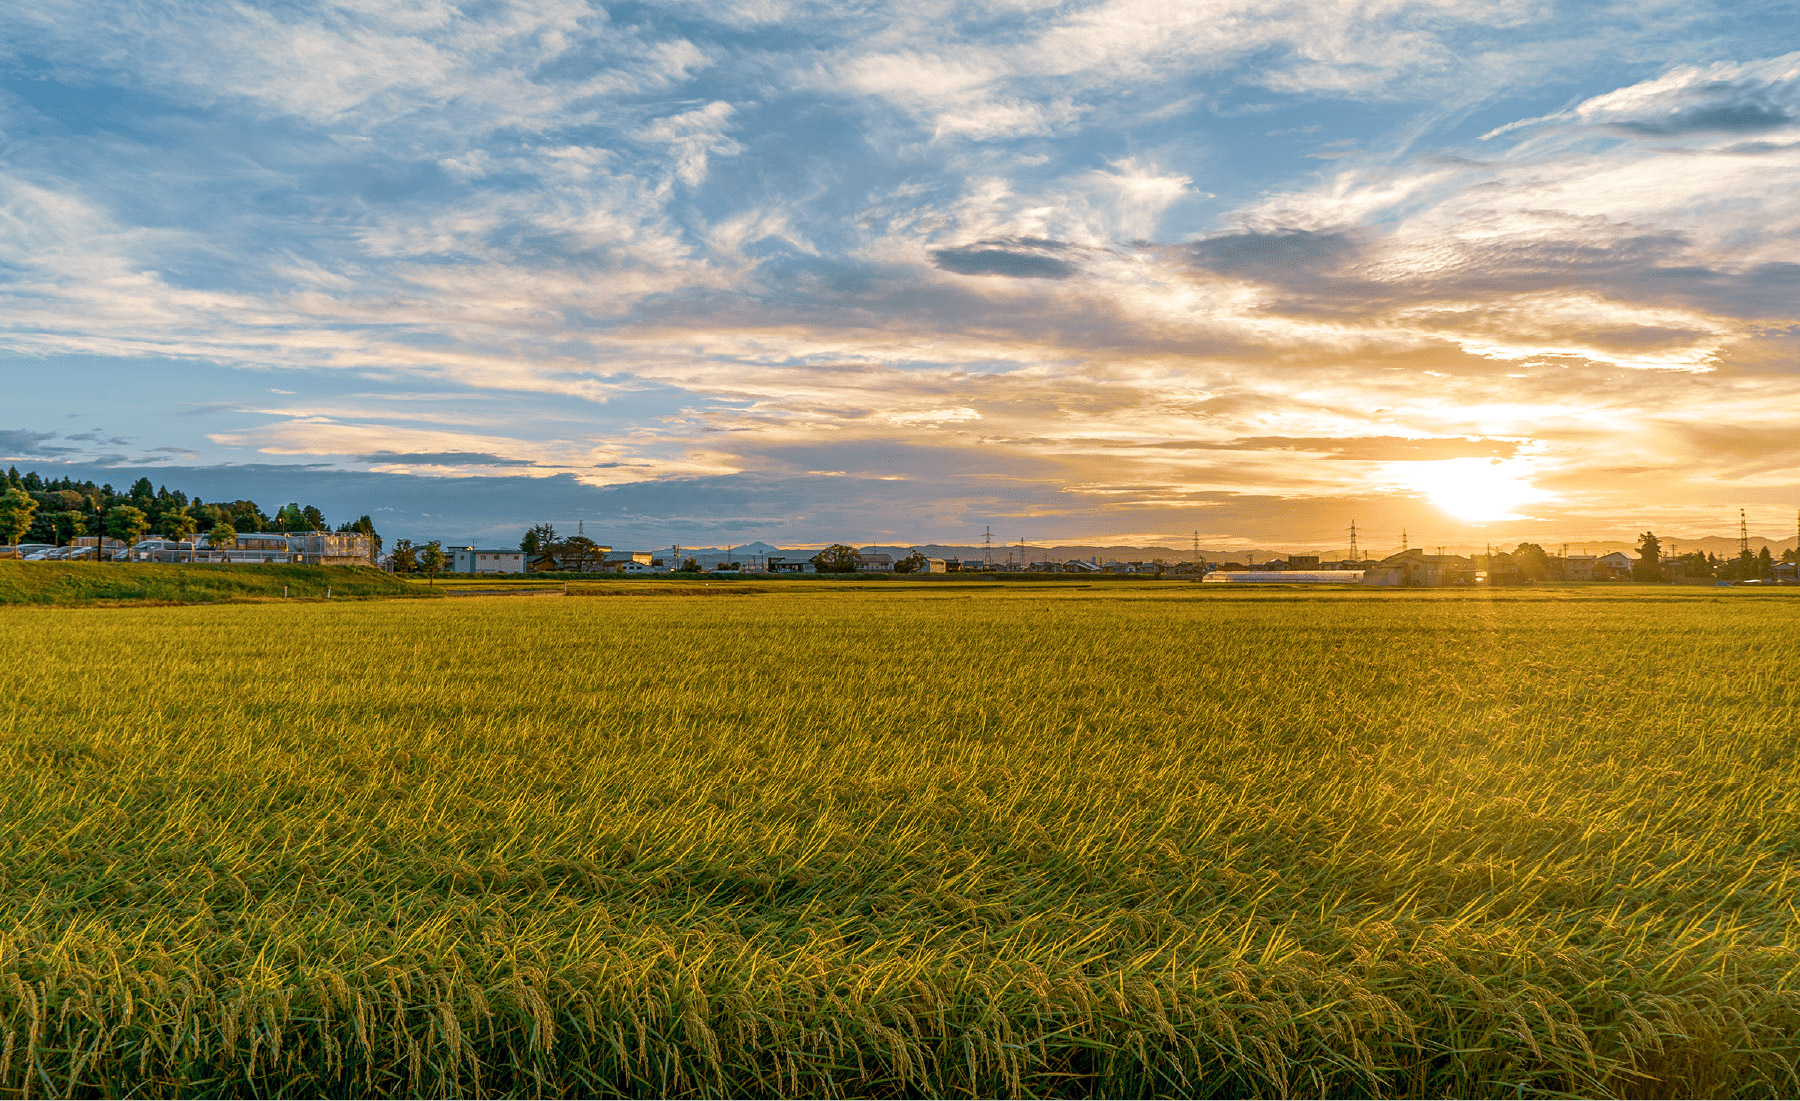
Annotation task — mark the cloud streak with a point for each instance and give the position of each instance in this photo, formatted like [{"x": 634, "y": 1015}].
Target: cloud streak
[{"x": 1100, "y": 269}]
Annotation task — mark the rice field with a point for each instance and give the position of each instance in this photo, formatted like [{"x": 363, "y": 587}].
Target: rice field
[{"x": 1045, "y": 840}]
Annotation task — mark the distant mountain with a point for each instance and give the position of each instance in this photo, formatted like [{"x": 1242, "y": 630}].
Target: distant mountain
[{"x": 1003, "y": 555}]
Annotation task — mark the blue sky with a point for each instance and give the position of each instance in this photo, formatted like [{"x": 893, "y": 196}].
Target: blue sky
[{"x": 1117, "y": 270}]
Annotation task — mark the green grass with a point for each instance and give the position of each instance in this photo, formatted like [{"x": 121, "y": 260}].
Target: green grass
[
  {"x": 147, "y": 582},
  {"x": 915, "y": 840}
]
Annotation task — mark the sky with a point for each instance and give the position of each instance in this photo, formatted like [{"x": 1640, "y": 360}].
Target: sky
[{"x": 1092, "y": 271}]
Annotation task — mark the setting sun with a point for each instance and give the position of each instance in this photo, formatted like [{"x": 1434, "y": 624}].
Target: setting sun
[{"x": 1479, "y": 491}]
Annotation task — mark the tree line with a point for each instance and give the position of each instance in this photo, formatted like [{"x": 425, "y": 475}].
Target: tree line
[
  {"x": 34, "y": 509},
  {"x": 1530, "y": 562}
]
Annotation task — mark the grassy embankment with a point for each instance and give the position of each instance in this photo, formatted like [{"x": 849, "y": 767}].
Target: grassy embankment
[
  {"x": 148, "y": 582},
  {"x": 907, "y": 841}
]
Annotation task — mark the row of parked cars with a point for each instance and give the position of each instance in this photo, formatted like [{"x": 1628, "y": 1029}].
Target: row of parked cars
[{"x": 47, "y": 552}]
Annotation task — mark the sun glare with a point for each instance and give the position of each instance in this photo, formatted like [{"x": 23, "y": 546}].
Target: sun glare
[{"x": 1479, "y": 491}]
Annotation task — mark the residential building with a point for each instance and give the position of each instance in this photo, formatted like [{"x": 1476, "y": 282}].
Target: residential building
[
  {"x": 1578, "y": 567},
  {"x": 874, "y": 563},
  {"x": 1415, "y": 569},
  {"x": 1614, "y": 567}
]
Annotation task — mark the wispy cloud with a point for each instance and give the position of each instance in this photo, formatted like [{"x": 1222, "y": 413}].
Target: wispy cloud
[{"x": 1074, "y": 264}]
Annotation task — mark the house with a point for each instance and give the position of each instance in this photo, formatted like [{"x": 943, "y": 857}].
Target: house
[
  {"x": 1416, "y": 569},
  {"x": 779, "y": 564},
  {"x": 934, "y": 565},
  {"x": 486, "y": 560},
  {"x": 636, "y": 567},
  {"x": 1303, "y": 562},
  {"x": 1614, "y": 567},
  {"x": 616, "y": 560},
  {"x": 1578, "y": 567},
  {"x": 874, "y": 563}
]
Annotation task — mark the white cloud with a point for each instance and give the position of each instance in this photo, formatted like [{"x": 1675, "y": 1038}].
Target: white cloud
[{"x": 694, "y": 136}]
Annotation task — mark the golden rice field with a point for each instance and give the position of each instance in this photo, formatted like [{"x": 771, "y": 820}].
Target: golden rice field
[{"x": 1041, "y": 840}]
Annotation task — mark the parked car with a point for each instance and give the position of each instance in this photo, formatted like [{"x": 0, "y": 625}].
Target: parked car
[{"x": 26, "y": 550}]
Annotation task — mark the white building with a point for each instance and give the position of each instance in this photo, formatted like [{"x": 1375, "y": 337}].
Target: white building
[{"x": 486, "y": 560}]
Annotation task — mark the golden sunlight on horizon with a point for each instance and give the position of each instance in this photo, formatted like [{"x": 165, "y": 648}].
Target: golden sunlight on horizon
[{"x": 1475, "y": 490}]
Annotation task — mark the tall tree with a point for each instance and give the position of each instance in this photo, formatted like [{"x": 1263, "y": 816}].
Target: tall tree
[
  {"x": 405, "y": 558},
  {"x": 222, "y": 537},
  {"x": 127, "y": 523},
  {"x": 1533, "y": 563},
  {"x": 142, "y": 494},
  {"x": 179, "y": 524},
  {"x": 432, "y": 560},
  {"x": 16, "y": 510},
  {"x": 1648, "y": 567},
  {"x": 578, "y": 553},
  {"x": 837, "y": 558},
  {"x": 68, "y": 524}
]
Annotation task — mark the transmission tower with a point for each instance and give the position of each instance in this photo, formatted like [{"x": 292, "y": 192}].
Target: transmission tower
[
  {"x": 1402, "y": 538},
  {"x": 1743, "y": 536},
  {"x": 987, "y": 548},
  {"x": 1355, "y": 555},
  {"x": 1196, "y": 547}
]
